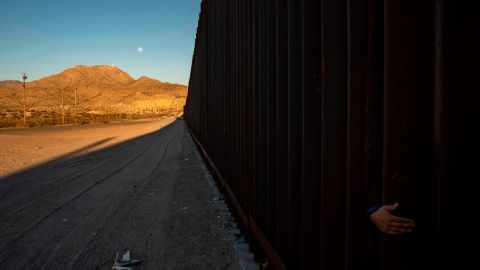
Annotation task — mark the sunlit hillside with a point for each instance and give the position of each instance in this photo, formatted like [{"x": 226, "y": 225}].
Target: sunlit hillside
[{"x": 88, "y": 93}]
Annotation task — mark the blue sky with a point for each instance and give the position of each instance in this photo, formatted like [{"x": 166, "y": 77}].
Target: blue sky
[{"x": 44, "y": 37}]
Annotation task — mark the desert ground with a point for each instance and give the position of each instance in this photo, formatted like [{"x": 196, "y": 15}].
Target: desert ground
[{"x": 72, "y": 197}]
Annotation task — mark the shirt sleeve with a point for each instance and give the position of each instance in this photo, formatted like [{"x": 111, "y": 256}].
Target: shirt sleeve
[{"x": 373, "y": 208}]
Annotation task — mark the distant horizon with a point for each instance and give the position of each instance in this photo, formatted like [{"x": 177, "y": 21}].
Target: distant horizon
[{"x": 143, "y": 38}]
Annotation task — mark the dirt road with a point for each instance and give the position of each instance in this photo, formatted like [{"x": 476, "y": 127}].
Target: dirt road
[{"x": 72, "y": 197}]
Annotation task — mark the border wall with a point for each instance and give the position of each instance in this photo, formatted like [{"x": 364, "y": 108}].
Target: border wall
[{"x": 309, "y": 111}]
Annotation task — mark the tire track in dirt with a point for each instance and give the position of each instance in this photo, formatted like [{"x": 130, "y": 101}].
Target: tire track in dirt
[
  {"x": 58, "y": 187},
  {"x": 128, "y": 200}
]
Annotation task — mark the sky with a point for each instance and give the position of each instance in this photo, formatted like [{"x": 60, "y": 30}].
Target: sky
[{"x": 153, "y": 38}]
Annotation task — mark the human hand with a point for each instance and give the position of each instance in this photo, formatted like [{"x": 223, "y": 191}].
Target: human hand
[{"x": 388, "y": 223}]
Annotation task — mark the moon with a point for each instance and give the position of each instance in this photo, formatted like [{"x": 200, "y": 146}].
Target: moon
[{"x": 140, "y": 49}]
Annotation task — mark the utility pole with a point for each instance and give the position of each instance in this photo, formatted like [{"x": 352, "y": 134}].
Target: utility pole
[
  {"x": 24, "y": 101},
  {"x": 75, "y": 107},
  {"x": 63, "y": 114}
]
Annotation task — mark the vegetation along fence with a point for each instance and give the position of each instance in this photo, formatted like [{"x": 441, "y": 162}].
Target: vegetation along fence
[{"x": 309, "y": 111}]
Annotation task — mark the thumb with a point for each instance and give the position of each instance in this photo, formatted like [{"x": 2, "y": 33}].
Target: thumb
[{"x": 390, "y": 207}]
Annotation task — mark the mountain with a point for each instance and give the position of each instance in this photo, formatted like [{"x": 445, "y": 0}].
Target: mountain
[
  {"x": 94, "y": 90},
  {"x": 99, "y": 75}
]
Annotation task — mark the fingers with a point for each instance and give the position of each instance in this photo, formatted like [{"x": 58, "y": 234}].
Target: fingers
[
  {"x": 400, "y": 227},
  {"x": 390, "y": 207},
  {"x": 396, "y": 219},
  {"x": 390, "y": 224},
  {"x": 398, "y": 230}
]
